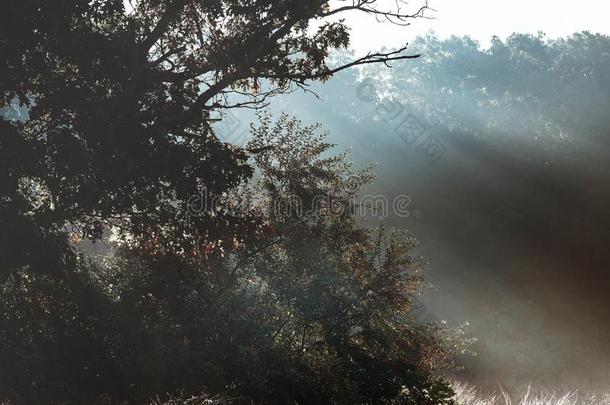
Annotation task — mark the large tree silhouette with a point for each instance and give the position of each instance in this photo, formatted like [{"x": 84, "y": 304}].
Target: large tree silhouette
[
  {"x": 115, "y": 102},
  {"x": 119, "y": 95}
]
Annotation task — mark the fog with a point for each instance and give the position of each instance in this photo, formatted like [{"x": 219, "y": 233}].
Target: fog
[{"x": 511, "y": 208}]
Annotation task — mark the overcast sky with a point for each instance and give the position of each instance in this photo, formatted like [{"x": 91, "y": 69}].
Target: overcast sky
[{"x": 481, "y": 19}]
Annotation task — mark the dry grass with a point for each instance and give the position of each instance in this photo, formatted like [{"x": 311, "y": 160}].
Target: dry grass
[{"x": 468, "y": 395}]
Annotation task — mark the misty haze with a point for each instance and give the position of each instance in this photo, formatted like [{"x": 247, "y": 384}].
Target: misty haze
[{"x": 260, "y": 202}]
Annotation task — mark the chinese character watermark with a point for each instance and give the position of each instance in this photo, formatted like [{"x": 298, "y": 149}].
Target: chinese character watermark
[{"x": 410, "y": 129}]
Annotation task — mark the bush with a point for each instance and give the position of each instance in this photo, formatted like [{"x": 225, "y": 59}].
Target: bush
[{"x": 307, "y": 307}]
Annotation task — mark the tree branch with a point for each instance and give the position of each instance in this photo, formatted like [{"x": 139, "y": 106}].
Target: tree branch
[
  {"x": 396, "y": 17},
  {"x": 380, "y": 57},
  {"x": 170, "y": 15}
]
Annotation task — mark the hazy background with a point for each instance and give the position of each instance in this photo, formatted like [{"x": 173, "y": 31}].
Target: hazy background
[
  {"x": 513, "y": 215},
  {"x": 479, "y": 19}
]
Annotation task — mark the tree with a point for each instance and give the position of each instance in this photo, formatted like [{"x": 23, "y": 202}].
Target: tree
[
  {"x": 120, "y": 96},
  {"x": 343, "y": 294},
  {"x": 314, "y": 309},
  {"x": 116, "y": 136}
]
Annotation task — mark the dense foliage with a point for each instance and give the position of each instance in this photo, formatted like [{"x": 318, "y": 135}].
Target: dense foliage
[
  {"x": 315, "y": 309},
  {"x": 120, "y": 97},
  {"x": 204, "y": 285}
]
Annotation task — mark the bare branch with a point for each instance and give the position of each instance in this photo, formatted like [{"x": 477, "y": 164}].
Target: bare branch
[
  {"x": 395, "y": 16},
  {"x": 380, "y": 57}
]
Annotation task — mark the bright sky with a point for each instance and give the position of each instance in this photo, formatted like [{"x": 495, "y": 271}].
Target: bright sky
[{"x": 483, "y": 18}]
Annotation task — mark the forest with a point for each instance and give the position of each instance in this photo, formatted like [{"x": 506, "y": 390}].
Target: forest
[{"x": 221, "y": 202}]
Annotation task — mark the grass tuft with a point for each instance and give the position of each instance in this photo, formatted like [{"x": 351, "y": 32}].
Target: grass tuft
[{"x": 468, "y": 395}]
